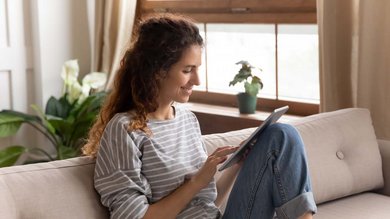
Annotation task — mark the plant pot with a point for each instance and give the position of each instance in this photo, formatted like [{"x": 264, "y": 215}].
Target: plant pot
[{"x": 246, "y": 103}]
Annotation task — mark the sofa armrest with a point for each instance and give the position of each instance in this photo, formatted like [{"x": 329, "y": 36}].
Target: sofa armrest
[{"x": 384, "y": 148}]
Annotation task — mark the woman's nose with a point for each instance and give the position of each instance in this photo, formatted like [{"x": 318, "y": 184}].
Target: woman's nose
[{"x": 195, "y": 78}]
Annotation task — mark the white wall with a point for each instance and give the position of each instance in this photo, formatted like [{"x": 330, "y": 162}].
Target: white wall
[
  {"x": 15, "y": 47},
  {"x": 36, "y": 38},
  {"x": 60, "y": 32},
  {"x": 15, "y": 62}
]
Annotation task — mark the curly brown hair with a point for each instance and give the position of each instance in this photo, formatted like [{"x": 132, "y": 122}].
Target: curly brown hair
[{"x": 158, "y": 43}]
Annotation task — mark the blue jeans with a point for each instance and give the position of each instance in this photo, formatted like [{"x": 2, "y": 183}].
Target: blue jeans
[{"x": 274, "y": 177}]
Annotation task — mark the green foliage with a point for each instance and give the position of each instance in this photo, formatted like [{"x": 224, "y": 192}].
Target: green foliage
[
  {"x": 65, "y": 125},
  {"x": 253, "y": 86},
  {"x": 65, "y": 121},
  {"x": 9, "y": 124},
  {"x": 10, "y": 155}
]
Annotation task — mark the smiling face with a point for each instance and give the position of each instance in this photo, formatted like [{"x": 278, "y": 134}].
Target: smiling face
[{"x": 181, "y": 77}]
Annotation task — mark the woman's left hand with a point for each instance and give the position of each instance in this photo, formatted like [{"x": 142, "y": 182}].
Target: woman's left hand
[{"x": 246, "y": 152}]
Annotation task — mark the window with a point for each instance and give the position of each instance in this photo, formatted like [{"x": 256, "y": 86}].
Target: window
[
  {"x": 286, "y": 53},
  {"x": 226, "y": 44},
  {"x": 280, "y": 39}
]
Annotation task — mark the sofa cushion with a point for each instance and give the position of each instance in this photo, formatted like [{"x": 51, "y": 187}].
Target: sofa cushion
[
  {"x": 58, "y": 189},
  {"x": 343, "y": 153},
  {"x": 384, "y": 149},
  {"x": 365, "y": 205}
]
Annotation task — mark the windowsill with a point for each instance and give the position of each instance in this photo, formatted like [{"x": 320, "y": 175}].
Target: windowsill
[
  {"x": 212, "y": 99},
  {"x": 218, "y": 119},
  {"x": 233, "y": 112}
]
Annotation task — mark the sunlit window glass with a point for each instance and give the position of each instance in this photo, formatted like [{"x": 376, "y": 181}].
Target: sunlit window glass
[
  {"x": 298, "y": 68},
  {"x": 202, "y": 69},
  {"x": 230, "y": 43}
]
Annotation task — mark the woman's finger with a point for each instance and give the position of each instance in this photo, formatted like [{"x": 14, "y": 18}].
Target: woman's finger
[
  {"x": 225, "y": 151},
  {"x": 215, "y": 160},
  {"x": 220, "y": 149}
]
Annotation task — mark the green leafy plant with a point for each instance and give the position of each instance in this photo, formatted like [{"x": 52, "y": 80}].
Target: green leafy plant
[
  {"x": 65, "y": 121},
  {"x": 255, "y": 84}
]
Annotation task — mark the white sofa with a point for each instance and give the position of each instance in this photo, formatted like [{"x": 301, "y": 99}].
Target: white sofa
[{"x": 350, "y": 173}]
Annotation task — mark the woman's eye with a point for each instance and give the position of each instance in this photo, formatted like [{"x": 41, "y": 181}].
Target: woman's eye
[{"x": 187, "y": 70}]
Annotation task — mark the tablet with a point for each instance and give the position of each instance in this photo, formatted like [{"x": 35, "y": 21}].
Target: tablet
[{"x": 236, "y": 156}]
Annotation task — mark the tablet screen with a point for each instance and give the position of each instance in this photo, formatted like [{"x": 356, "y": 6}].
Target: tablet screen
[{"x": 236, "y": 156}]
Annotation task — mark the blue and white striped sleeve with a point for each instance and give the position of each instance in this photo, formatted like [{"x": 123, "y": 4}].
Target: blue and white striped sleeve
[{"x": 118, "y": 179}]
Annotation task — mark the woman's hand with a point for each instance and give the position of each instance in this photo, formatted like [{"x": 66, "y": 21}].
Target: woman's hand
[
  {"x": 171, "y": 205},
  {"x": 246, "y": 152},
  {"x": 205, "y": 174}
]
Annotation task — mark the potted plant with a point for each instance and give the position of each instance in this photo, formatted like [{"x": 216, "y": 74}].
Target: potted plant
[
  {"x": 247, "y": 100},
  {"x": 65, "y": 121}
]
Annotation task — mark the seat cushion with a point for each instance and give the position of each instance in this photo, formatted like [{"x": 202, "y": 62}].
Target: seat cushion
[
  {"x": 58, "y": 189},
  {"x": 366, "y": 205}
]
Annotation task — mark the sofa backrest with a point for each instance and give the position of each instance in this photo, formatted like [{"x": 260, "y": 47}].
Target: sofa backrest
[
  {"x": 343, "y": 153},
  {"x": 342, "y": 150},
  {"x": 59, "y": 189}
]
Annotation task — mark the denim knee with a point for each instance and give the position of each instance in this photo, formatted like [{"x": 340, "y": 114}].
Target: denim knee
[
  {"x": 286, "y": 133},
  {"x": 282, "y": 127}
]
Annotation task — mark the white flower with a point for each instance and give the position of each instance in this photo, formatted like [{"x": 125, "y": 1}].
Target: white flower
[
  {"x": 95, "y": 80},
  {"x": 85, "y": 89},
  {"x": 75, "y": 90},
  {"x": 72, "y": 87},
  {"x": 70, "y": 71}
]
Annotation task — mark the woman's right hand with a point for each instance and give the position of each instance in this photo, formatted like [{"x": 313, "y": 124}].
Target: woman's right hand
[
  {"x": 206, "y": 173},
  {"x": 171, "y": 205}
]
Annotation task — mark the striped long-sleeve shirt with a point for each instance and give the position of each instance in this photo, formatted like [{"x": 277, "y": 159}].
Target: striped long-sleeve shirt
[{"x": 133, "y": 170}]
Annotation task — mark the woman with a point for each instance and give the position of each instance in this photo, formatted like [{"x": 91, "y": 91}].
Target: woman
[{"x": 150, "y": 160}]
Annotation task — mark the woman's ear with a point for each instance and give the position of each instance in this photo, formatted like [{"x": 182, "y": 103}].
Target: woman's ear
[{"x": 162, "y": 74}]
